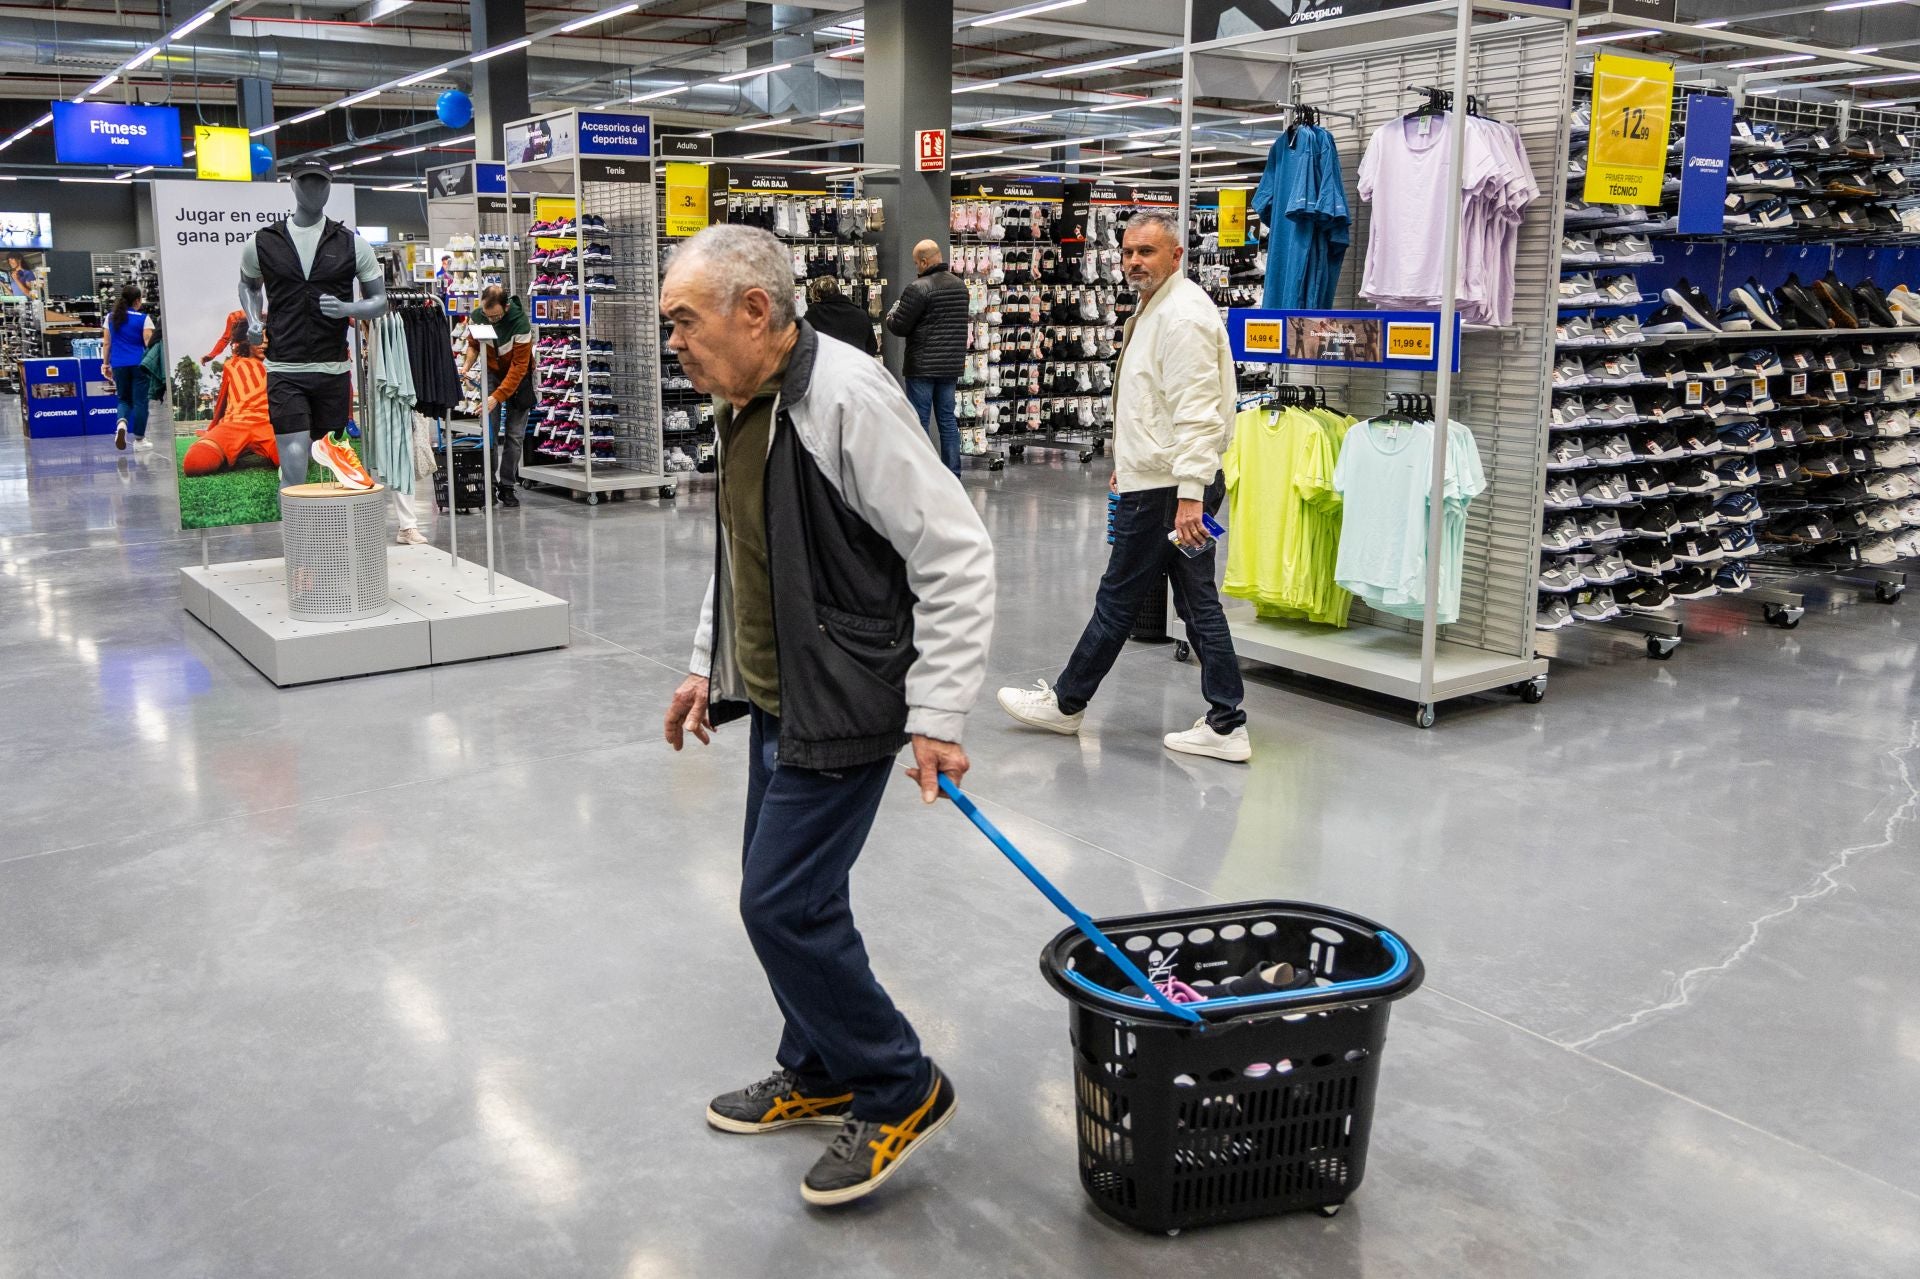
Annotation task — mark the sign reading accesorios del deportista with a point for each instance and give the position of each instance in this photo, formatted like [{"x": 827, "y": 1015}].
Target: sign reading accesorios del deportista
[{"x": 103, "y": 133}]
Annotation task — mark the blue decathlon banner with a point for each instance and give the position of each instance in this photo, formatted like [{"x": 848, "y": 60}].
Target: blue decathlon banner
[
  {"x": 1406, "y": 340},
  {"x": 613, "y": 134},
  {"x": 104, "y": 133},
  {"x": 1703, "y": 177}
]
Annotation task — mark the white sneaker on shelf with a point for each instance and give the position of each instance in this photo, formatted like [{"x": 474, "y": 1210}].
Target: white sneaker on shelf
[
  {"x": 143, "y": 445},
  {"x": 1039, "y": 707},
  {"x": 1235, "y": 747}
]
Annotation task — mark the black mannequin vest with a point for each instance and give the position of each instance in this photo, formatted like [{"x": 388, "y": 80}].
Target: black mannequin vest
[{"x": 296, "y": 331}]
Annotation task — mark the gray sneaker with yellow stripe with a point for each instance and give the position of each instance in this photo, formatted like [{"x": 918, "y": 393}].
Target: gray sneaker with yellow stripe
[
  {"x": 864, "y": 1153},
  {"x": 781, "y": 1100}
]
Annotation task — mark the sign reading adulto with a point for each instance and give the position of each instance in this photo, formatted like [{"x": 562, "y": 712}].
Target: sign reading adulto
[
  {"x": 1627, "y": 141},
  {"x": 105, "y": 133}
]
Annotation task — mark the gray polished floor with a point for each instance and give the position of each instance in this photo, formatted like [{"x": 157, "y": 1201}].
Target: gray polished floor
[{"x": 430, "y": 974}]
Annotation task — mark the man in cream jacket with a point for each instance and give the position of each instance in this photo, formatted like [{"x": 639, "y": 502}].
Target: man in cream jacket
[{"x": 1173, "y": 416}]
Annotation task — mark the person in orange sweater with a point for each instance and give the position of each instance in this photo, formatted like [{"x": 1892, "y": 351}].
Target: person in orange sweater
[
  {"x": 240, "y": 424},
  {"x": 509, "y": 380},
  {"x": 226, "y": 336}
]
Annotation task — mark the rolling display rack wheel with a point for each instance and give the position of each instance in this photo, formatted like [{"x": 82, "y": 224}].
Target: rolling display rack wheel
[
  {"x": 666, "y": 492},
  {"x": 1423, "y": 715},
  {"x": 1181, "y": 650},
  {"x": 1660, "y": 647},
  {"x": 1534, "y": 691},
  {"x": 1086, "y": 455},
  {"x": 997, "y": 464},
  {"x": 1782, "y": 616},
  {"x": 593, "y": 499},
  {"x": 1889, "y": 592}
]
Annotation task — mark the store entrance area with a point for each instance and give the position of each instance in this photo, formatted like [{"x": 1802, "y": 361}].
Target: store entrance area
[{"x": 432, "y": 973}]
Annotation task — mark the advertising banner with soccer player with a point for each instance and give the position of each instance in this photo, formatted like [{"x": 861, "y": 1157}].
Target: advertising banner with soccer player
[{"x": 225, "y": 456}]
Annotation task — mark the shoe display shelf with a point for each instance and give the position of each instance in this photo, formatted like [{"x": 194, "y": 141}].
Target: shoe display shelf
[
  {"x": 1803, "y": 372},
  {"x": 475, "y": 218},
  {"x": 593, "y": 296},
  {"x": 112, "y": 270},
  {"x": 1044, "y": 321},
  {"x": 829, "y": 227},
  {"x": 1523, "y": 70},
  {"x": 19, "y": 336}
]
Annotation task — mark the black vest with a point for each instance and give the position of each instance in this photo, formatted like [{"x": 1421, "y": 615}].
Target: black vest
[{"x": 296, "y": 331}]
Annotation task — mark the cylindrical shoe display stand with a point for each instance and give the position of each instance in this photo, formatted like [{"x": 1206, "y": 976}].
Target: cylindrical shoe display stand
[{"x": 336, "y": 548}]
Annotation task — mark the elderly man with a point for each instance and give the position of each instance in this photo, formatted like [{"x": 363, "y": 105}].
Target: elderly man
[
  {"x": 931, "y": 314},
  {"x": 1173, "y": 416},
  {"x": 848, "y": 614}
]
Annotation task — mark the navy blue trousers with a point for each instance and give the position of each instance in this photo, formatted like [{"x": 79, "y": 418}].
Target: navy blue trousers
[{"x": 805, "y": 829}]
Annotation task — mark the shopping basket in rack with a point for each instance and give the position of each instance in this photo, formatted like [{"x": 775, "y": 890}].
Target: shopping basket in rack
[{"x": 1234, "y": 1106}]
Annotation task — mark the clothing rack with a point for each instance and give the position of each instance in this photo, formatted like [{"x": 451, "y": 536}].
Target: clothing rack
[{"x": 1523, "y": 60}]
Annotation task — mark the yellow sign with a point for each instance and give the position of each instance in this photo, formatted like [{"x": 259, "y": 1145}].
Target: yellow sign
[
  {"x": 222, "y": 155},
  {"x": 1632, "y": 117},
  {"x": 1233, "y": 217},
  {"x": 1409, "y": 341},
  {"x": 552, "y": 208},
  {"x": 686, "y": 212},
  {"x": 1263, "y": 335}
]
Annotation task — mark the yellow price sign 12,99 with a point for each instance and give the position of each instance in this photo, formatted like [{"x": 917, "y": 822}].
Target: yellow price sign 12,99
[{"x": 1627, "y": 141}]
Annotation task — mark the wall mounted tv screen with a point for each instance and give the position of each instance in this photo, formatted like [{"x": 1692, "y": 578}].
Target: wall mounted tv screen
[{"x": 26, "y": 231}]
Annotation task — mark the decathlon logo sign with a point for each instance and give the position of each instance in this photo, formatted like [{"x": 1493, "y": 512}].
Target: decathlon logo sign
[{"x": 105, "y": 133}]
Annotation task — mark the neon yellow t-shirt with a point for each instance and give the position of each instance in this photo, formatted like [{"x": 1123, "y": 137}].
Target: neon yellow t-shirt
[{"x": 1284, "y": 532}]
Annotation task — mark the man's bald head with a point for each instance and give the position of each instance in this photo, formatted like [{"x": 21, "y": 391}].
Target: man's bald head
[{"x": 925, "y": 254}]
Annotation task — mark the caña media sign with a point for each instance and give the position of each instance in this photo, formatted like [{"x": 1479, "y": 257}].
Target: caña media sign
[{"x": 103, "y": 133}]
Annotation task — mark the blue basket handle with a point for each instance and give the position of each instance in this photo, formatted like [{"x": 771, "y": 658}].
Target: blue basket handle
[{"x": 1067, "y": 908}]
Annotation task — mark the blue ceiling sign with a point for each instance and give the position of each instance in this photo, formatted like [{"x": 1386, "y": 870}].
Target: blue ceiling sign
[{"x": 106, "y": 133}]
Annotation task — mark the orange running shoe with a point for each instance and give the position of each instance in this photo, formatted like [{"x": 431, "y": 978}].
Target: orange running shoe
[{"x": 332, "y": 452}]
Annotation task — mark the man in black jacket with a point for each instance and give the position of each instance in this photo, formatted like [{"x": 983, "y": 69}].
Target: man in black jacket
[
  {"x": 849, "y": 614},
  {"x": 932, "y": 316}
]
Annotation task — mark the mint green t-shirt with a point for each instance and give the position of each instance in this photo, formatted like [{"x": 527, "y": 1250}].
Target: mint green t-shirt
[{"x": 1384, "y": 479}]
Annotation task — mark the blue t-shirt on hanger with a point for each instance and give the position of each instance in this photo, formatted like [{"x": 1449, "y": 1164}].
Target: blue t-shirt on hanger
[{"x": 1303, "y": 202}]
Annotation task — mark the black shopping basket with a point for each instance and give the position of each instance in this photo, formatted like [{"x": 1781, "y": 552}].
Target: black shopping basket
[
  {"x": 1262, "y": 1107},
  {"x": 1233, "y": 1106}
]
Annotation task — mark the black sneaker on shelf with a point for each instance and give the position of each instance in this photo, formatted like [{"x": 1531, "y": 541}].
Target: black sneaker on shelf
[
  {"x": 1692, "y": 303},
  {"x": 1837, "y": 299},
  {"x": 1668, "y": 319},
  {"x": 781, "y": 1100},
  {"x": 1799, "y": 308},
  {"x": 864, "y": 1154},
  {"x": 1692, "y": 583},
  {"x": 1647, "y": 595},
  {"x": 1872, "y": 305},
  {"x": 1650, "y": 558}
]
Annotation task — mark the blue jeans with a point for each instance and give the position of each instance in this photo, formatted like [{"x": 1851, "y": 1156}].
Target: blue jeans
[
  {"x": 933, "y": 396},
  {"x": 1141, "y": 555},
  {"x": 130, "y": 384},
  {"x": 805, "y": 829}
]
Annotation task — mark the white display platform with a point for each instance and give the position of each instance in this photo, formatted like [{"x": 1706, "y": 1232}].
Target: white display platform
[{"x": 437, "y": 613}]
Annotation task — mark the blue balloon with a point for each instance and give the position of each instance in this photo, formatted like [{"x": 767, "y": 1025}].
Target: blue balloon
[
  {"x": 262, "y": 158},
  {"x": 454, "y": 108}
]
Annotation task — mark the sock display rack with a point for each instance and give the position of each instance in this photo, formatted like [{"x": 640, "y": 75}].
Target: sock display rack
[
  {"x": 829, "y": 228},
  {"x": 1735, "y": 411},
  {"x": 593, "y": 297},
  {"x": 19, "y": 335},
  {"x": 1044, "y": 321},
  {"x": 113, "y": 269},
  {"x": 1521, "y": 72}
]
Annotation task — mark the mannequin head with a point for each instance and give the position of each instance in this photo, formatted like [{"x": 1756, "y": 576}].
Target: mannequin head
[{"x": 311, "y": 187}]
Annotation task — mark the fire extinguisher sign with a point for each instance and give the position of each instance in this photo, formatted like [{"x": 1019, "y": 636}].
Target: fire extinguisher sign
[{"x": 932, "y": 150}]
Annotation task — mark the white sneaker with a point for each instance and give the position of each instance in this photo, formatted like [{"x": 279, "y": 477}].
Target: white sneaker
[
  {"x": 120, "y": 436},
  {"x": 1236, "y": 746},
  {"x": 1039, "y": 707},
  {"x": 143, "y": 445},
  {"x": 410, "y": 537}
]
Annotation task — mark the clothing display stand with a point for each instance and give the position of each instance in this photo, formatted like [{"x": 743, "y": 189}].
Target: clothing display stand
[
  {"x": 19, "y": 336},
  {"x": 1521, "y": 68},
  {"x": 594, "y": 301}
]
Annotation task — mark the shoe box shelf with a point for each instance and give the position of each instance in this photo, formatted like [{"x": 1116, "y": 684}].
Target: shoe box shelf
[
  {"x": 593, "y": 295},
  {"x": 1798, "y": 479}
]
